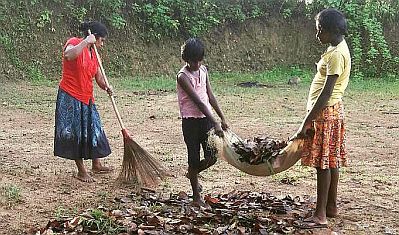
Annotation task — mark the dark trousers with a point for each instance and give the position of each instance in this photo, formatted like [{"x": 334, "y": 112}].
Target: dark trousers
[{"x": 195, "y": 133}]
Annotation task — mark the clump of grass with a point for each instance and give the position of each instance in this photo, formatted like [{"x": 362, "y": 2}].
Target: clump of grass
[
  {"x": 62, "y": 212},
  {"x": 101, "y": 223},
  {"x": 156, "y": 207},
  {"x": 11, "y": 193}
]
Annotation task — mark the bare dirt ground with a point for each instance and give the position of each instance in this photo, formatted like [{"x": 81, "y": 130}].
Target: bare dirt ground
[{"x": 368, "y": 190}]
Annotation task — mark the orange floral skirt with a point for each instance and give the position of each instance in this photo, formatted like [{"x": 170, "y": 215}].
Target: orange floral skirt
[{"x": 327, "y": 148}]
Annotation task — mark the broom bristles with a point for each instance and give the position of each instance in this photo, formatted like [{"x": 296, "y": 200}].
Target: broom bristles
[{"x": 139, "y": 166}]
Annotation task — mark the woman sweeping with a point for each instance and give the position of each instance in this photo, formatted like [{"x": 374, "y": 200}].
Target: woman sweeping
[{"x": 79, "y": 134}]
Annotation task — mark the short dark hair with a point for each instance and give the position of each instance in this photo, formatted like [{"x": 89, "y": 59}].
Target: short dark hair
[
  {"x": 96, "y": 28},
  {"x": 193, "y": 50},
  {"x": 332, "y": 20}
]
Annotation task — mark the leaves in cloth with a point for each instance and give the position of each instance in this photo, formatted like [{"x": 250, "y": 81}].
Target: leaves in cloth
[{"x": 258, "y": 150}]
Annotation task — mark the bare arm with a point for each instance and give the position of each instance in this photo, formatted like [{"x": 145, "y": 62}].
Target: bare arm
[
  {"x": 71, "y": 51},
  {"x": 185, "y": 84},
  {"x": 318, "y": 105},
  {"x": 100, "y": 80},
  {"x": 323, "y": 98},
  {"x": 214, "y": 104}
]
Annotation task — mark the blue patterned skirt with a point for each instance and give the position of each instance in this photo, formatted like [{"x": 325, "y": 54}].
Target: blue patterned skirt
[{"x": 78, "y": 130}]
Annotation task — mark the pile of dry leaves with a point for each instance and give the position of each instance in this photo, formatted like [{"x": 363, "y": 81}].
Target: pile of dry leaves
[
  {"x": 258, "y": 150},
  {"x": 233, "y": 213}
]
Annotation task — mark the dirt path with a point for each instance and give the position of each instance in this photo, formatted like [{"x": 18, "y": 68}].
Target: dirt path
[{"x": 368, "y": 190}]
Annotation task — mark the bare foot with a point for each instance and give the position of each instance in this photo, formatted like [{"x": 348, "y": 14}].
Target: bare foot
[
  {"x": 201, "y": 204},
  {"x": 84, "y": 177},
  {"x": 316, "y": 220},
  {"x": 102, "y": 169},
  {"x": 310, "y": 223},
  {"x": 332, "y": 212}
]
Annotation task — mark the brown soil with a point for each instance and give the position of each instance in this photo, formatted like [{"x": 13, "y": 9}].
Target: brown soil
[{"x": 368, "y": 190}]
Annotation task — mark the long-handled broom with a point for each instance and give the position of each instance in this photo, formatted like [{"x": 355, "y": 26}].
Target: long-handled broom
[{"x": 138, "y": 165}]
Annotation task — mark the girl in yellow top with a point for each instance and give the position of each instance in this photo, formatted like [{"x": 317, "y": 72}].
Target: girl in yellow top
[{"x": 323, "y": 127}]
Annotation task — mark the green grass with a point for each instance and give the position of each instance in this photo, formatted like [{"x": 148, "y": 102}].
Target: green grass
[
  {"x": 62, "y": 212},
  {"x": 159, "y": 83},
  {"x": 226, "y": 83},
  {"x": 11, "y": 194},
  {"x": 40, "y": 95},
  {"x": 101, "y": 223},
  {"x": 388, "y": 86},
  {"x": 222, "y": 82},
  {"x": 276, "y": 76}
]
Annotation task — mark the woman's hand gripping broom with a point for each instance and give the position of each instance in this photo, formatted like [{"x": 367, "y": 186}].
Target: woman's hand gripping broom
[{"x": 138, "y": 165}]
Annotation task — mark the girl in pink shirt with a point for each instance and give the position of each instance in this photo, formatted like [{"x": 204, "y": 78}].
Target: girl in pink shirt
[{"x": 196, "y": 99}]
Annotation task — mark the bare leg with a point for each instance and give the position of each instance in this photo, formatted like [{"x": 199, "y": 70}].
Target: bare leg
[
  {"x": 188, "y": 177},
  {"x": 323, "y": 185},
  {"x": 206, "y": 163},
  {"x": 98, "y": 168},
  {"x": 82, "y": 172},
  {"x": 332, "y": 210},
  {"x": 193, "y": 176}
]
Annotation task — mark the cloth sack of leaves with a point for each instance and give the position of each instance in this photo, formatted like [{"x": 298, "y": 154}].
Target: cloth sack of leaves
[{"x": 261, "y": 156}]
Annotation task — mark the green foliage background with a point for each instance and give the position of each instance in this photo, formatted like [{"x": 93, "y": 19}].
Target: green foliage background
[{"x": 28, "y": 23}]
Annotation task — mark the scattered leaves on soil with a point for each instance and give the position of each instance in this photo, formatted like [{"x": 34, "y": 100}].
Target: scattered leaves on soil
[{"x": 237, "y": 212}]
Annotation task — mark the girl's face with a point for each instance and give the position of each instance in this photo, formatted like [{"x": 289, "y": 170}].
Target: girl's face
[
  {"x": 322, "y": 35},
  {"x": 100, "y": 42},
  {"x": 194, "y": 65}
]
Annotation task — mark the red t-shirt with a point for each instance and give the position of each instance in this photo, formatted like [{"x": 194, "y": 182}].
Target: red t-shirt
[{"x": 78, "y": 74}]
